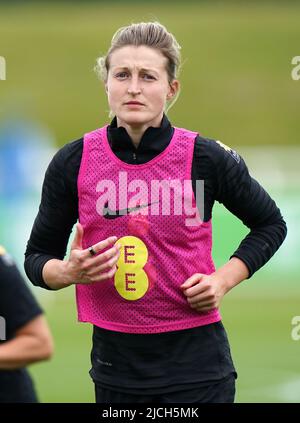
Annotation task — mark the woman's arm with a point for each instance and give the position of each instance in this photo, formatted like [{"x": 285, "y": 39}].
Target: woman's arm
[
  {"x": 229, "y": 182},
  {"x": 26, "y": 330},
  {"x": 32, "y": 343},
  {"x": 58, "y": 212},
  {"x": 244, "y": 197},
  {"x": 44, "y": 264}
]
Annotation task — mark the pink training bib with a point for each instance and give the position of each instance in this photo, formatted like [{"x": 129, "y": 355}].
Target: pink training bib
[{"x": 156, "y": 220}]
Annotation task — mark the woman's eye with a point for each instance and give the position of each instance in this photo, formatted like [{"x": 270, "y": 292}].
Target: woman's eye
[
  {"x": 147, "y": 76},
  {"x": 121, "y": 75}
]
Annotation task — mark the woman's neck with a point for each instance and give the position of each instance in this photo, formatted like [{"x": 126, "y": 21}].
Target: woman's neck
[{"x": 136, "y": 131}]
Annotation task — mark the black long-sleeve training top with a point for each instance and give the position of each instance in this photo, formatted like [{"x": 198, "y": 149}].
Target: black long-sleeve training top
[
  {"x": 18, "y": 307},
  {"x": 226, "y": 180}
]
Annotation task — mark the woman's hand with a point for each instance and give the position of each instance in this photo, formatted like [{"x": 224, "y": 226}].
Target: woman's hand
[
  {"x": 84, "y": 268},
  {"x": 204, "y": 292}
]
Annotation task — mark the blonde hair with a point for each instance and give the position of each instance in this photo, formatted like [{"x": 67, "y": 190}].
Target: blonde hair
[{"x": 150, "y": 34}]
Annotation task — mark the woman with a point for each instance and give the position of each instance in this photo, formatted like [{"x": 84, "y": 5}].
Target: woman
[
  {"x": 24, "y": 334},
  {"x": 142, "y": 263}
]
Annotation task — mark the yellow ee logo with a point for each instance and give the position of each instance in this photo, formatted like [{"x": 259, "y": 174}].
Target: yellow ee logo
[{"x": 131, "y": 280}]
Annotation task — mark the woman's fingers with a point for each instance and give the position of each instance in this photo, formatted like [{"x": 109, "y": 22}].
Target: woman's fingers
[
  {"x": 101, "y": 246},
  {"x": 107, "y": 275},
  {"x": 99, "y": 267},
  {"x": 103, "y": 261},
  {"x": 201, "y": 304},
  {"x": 99, "y": 276},
  {"x": 106, "y": 256},
  {"x": 77, "y": 241},
  {"x": 104, "y": 266}
]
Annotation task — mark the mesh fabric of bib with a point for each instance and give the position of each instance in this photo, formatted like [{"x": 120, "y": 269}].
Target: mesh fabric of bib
[{"x": 161, "y": 248}]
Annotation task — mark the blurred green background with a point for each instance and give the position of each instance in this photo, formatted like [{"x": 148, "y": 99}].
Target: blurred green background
[{"x": 236, "y": 87}]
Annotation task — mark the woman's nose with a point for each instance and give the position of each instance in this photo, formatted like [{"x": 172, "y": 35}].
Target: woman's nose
[{"x": 134, "y": 86}]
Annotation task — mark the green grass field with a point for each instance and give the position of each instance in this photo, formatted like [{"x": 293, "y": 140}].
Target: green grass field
[
  {"x": 237, "y": 87},
  {"x": 236, "y": 77},
  {"x": 257, "y": 315},
  {"x": 258, "y": 326},
  {"x": 265, "y": 356}
]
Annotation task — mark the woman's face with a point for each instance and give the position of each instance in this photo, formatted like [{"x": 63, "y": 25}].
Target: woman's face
[{"x": 138, "y": 74}]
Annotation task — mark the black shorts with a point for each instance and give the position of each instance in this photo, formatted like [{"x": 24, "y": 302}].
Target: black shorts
[{"x": 222, "y": 392}]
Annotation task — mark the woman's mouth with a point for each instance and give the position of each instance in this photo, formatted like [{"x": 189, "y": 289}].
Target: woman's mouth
[{"x": 134, "y": 103}]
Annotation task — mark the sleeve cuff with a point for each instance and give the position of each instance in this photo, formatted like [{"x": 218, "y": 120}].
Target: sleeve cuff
[{"x": 246, "y": 262}]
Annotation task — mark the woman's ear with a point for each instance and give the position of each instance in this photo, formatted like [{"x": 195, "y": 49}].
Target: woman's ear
[{"x": 173, "y": 88}]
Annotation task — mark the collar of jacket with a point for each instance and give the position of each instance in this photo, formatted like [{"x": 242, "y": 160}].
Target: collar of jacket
[{"x": 154, "y": 140}]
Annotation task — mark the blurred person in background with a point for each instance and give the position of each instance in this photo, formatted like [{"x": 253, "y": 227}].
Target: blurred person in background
[
  {"x": 146, "y": 280},
  {"x": 24, "y": 334}
]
